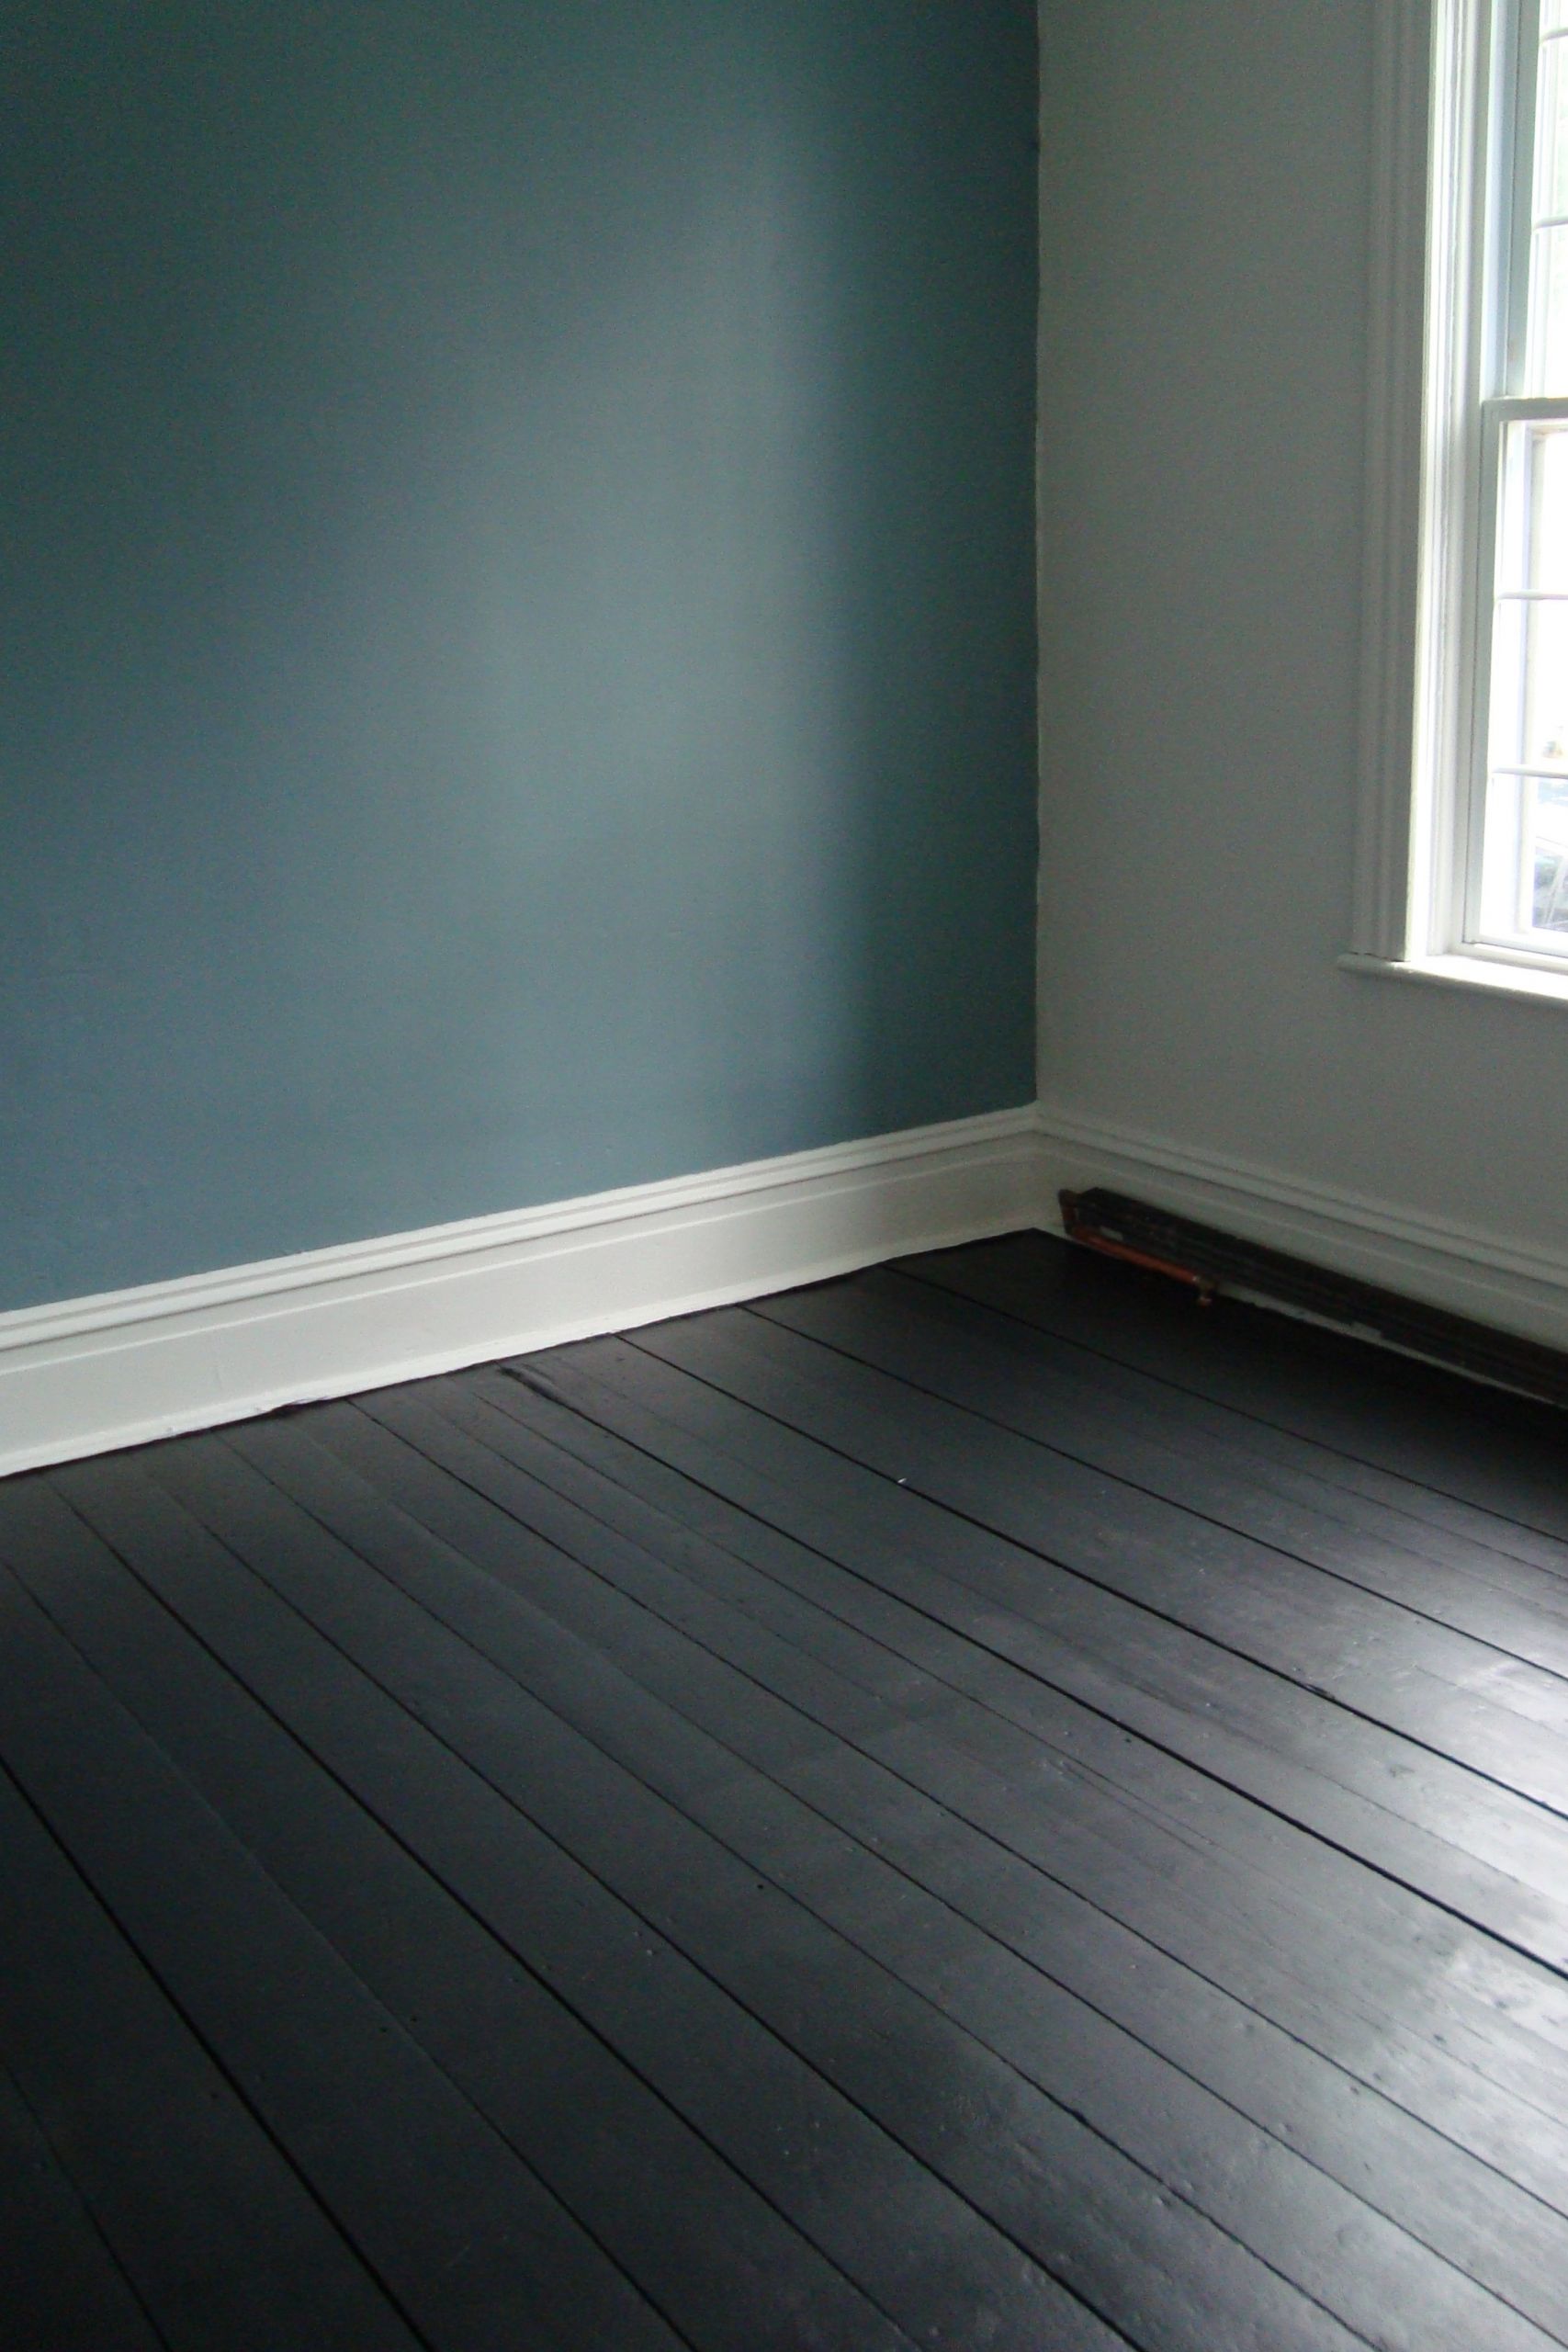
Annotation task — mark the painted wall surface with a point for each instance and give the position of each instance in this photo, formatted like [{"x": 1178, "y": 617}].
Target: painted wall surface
[
  {"x": 518, "y": 605},
  {"x": 1206, "y": 221}
]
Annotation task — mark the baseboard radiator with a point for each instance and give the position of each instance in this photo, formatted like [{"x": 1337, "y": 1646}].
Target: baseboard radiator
[{"x": 1209, "y": 1261}]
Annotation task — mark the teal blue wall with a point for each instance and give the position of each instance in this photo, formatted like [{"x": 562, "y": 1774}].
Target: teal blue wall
[{"x": 517, "y": 604}]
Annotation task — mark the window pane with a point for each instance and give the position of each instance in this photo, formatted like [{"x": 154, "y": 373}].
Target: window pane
[
  {"x": 1544, "y": 715},
  {"x": 1549, "y": 857},
  {"x": 1529, "y": 642},
  {"x": 1546, "y": 490},
  {"x": 1552, "y": 144},
  {"x": 1553, "y": 16},
  {"x": 1525, "y": 892},
  {"x": 1547, "y": 365}
]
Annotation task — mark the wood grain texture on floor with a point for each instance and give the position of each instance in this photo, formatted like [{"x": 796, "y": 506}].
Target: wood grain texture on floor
[{"x": 975, "y": 1806}]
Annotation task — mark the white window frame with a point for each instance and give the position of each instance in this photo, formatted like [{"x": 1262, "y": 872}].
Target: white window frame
[{"x": 1431, "y": 442}]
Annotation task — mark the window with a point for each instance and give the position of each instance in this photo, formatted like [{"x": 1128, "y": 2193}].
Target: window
[{"x": 1463, "y": 866}]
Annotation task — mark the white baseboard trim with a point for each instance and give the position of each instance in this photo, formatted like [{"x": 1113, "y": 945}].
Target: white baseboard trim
[
  {"x": 1461, "y": 1267},
  {"x": 89, "y": 1374}
]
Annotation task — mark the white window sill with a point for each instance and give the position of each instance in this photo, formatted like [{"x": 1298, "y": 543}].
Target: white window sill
[{"x": 1493, "y": 976}]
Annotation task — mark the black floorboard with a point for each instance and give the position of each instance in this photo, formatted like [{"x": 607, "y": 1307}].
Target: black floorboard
[
  {"x": 1472, "y": 1452},
  {"x": 58, "y": 2276},
  {"x": 975, "y": 1805}
]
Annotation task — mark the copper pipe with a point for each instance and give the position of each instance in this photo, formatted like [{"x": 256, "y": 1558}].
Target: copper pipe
[{"x": 1079, "y": 1228}]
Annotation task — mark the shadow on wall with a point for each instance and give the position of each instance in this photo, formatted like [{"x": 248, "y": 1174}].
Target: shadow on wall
[{"x": 520, "y": 606}]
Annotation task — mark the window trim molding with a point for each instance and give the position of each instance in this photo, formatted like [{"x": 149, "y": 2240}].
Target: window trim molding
[{"x": 1403, "y": 85}]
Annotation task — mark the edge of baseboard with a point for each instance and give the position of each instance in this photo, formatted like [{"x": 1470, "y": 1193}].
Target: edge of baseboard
[
  {"x": 88, "y": 1375},
  {"x": 1451, "y": 1264}
]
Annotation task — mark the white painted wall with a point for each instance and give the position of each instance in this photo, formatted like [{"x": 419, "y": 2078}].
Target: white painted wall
[{"x": 1205, "y": 190}]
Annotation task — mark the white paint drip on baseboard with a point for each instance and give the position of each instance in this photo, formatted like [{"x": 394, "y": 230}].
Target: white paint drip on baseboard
[{"x": 89, "y": 1374}]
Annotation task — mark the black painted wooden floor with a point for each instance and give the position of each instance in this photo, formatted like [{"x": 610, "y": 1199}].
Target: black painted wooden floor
[{"x": 976, "y": 1805}]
